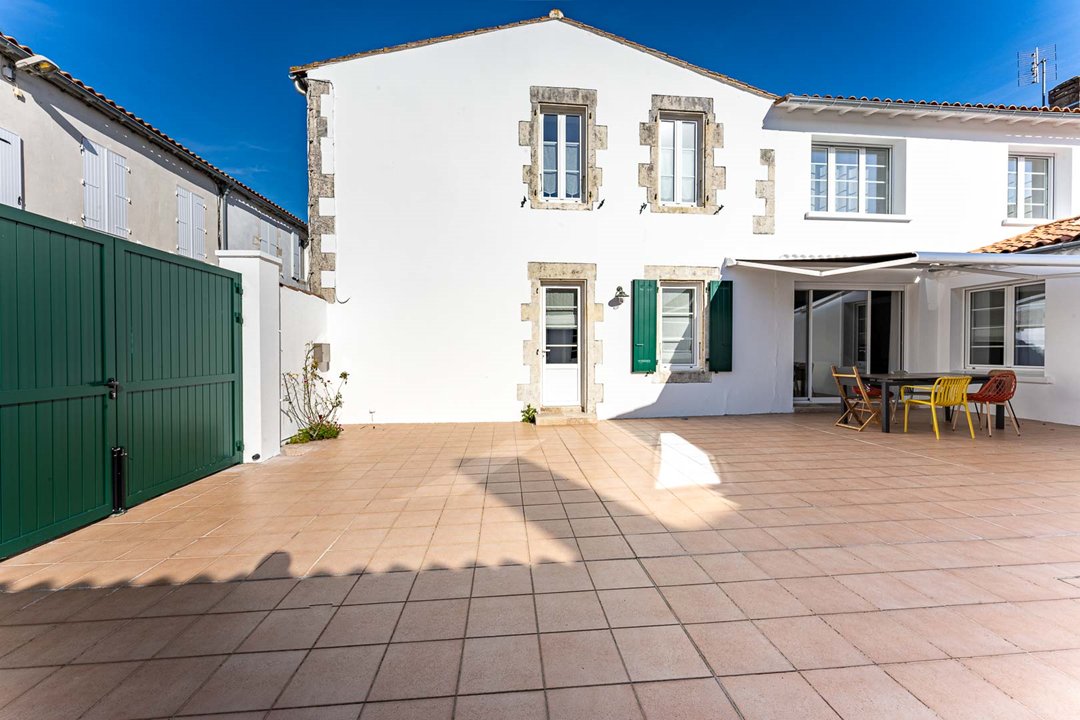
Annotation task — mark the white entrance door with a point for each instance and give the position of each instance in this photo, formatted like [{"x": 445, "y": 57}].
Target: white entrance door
[{"x": 561, "y": 382}]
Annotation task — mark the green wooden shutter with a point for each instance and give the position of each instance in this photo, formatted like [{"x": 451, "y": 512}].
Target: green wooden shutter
[
  {"x": 720, "y": 321},
  {"x": 643, "y": 299}
]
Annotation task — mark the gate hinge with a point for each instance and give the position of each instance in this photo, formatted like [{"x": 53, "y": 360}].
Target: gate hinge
[
  {"x": 239, "y": 318},
  {"x": 238, "y": 288},
  {"x": 239, "y": 446}
]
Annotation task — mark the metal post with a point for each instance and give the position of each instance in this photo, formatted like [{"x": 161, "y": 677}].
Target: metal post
[{"x": 119, "y": 477}]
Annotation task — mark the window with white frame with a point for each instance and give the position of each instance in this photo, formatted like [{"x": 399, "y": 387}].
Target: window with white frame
[
  {"x": 190, "y": 224},
  {"x": 680, "y": 160},
  {"x": 1029, "y": 187},
  {"x": 679, "y": 320},
  {"x": 1007, "y": 326},
  {"x": 846, "y": 179},
  {"x": 561, "y": 155}
]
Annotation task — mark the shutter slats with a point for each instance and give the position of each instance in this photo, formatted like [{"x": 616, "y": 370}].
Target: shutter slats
[
  {"x": 94, "y": 179},
  {"x": 10, "y": 169},
  {"x": 184, "y": 243},
  {"x": 643, "y": 301},
  {"x": 117, "y": 194},
  {"x": 198, "y": 226},
  {"x": 720, "y": 325}
]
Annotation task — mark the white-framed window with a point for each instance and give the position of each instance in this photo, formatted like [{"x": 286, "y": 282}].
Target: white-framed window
[
  {"x": 849, "y": 179},
  {"x": 680, "y": 161},
  {"x": 1030, "y": 187},
  {"x": 105, "y": 198},
  {"x": 1006, "y": 326},
  {"x": 680, "y": 333},
  {"x": 562, "y": 154},
  {"x": 190, "y": 224}
]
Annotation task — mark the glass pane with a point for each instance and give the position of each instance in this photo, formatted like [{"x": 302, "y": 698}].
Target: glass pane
[
  {"x": 573, "y": 128},
  {"x": 1030, "y": 331},
  {"x": 573, "y": 158},
  {"x": 573, "y": 185},
  {"x": 678, "y": 300},
  {"x": 667, "y": 133},
  {"x": 986, "y": 339},
  {"x": 561, "y": 318},
  {"x": 551, "y": 184},
  {"x": 551, "y": 128},
  {"x": 561, "y": 298},
  {"x": 1011, "y": 210},
  {"x": 688, "y": 135},
  {"x": 667, "y": 188},
  {"x": 551, "y": 160},
  {"x": 688, "y": 177},
  {"x": 1036, "y": 183},
  {"x": 819, "y": 179},
  {"x": 562, "y": 355},
  {"x": 561, "y": 336},
  {"x": 677, "y": 353},
  {"x": 847, "y": 180}
]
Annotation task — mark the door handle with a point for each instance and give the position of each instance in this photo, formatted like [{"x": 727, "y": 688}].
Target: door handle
[{"x": 113, "y": 386}]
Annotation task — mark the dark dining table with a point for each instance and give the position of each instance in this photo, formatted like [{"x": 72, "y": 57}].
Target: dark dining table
[{"x": 889, "y": 382}]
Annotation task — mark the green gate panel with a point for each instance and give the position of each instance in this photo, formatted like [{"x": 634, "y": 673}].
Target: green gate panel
[
  {"x": 720, "y": 324},
  {"x": 643, "y": 332},
  {"x": 179, "y": 370},
  {"x": 56, "y": 352}
]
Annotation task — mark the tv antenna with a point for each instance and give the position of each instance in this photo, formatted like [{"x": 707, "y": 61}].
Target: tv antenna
[{"x": 1036, "y": 67}]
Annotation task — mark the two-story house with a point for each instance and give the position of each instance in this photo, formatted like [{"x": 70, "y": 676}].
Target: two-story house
[
  {"x": 544, "y": 213},
  {"x": 70, "y": 153}
]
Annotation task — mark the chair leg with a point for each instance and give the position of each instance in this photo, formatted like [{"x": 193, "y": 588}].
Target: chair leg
[
  {"x": 989, "y": 422},
  {"x": 906, "y": 408},
  {"x": 971, "y": 428},
  {"x": 937, "y": 433},
  {"x": 1012, "y": 416},
  {"x": 955, "y": 417}
]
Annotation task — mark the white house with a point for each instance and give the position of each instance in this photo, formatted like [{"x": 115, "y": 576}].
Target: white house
[
  {"x": 544, "y": 213},
  {"x": 70, "y": 153}
]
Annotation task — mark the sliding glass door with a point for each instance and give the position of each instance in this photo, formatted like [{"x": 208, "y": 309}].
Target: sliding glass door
[{"x": 860, "y": 328}]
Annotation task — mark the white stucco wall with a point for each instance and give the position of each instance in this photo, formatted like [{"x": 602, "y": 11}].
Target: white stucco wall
[
  {"x": 248, "y": 229},
  {"x": 432, "y": 246},
  {"x": 303, "y": 321}
]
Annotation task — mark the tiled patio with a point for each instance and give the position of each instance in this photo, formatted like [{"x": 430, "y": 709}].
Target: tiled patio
[{"x": 754, "y": 567}]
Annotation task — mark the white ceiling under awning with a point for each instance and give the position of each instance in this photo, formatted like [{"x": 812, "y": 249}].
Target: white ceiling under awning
[{"x": 989, "y": 263}]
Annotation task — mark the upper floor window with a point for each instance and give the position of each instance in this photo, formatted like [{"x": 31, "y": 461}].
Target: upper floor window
[
  {"x": 563, "y": 148},
  {"x": 190, "y": 223},
  {"x": 845, "y": 179},
  {"x": 105, "y": 199},
  {"x": 680, "y": 161},
  {"x": 1007, "y": 326},
  {"x": 1029, "y": 187}
]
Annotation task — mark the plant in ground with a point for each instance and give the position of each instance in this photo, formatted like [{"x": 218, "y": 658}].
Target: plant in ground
[
  {"x": 528, "y": 414},
  {"x": 312, "y": 401}
]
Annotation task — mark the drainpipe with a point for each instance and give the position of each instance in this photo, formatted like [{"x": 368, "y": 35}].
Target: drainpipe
[
  {"x": 223, "y": 219},
  {"x": 299, "y": 82}
]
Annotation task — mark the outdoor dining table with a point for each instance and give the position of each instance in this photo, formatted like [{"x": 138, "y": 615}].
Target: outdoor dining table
[{"x": 892, "y": 381}]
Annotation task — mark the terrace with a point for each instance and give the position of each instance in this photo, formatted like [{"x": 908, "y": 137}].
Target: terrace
[{"x": 754, "y": 567}]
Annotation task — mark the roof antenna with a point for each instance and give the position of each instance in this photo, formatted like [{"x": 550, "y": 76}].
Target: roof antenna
[{"x": 1033, "y": 68}]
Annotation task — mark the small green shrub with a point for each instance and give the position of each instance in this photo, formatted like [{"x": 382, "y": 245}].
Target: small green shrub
[
  {"x": 321, "y": 431},
  {"x": 312, "y": 401},
  {"x": 528, "y": 414}
]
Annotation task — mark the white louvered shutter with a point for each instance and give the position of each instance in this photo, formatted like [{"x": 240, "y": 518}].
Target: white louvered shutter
[
  {"x": 117, "y": 193},
  {"x": 10, "y": 169},
  {"x": 94, "y": 181},
  {"x": 198, "y": 226},
  {"x": 184, "y": 244},
  {"x": 265, "y": 240},
  {"x": 297, "y": 256}
]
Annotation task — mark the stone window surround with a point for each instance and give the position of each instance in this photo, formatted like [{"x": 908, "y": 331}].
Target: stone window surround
[
  {"x": 530, "y": 133},
  {"x": 684, "y": 275},
  {"x": 584, "y": 275},
  {"x": 713, "y": 177}
]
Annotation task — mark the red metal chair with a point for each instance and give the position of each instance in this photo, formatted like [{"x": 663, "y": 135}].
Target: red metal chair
[{"x": 998, "y": 390}]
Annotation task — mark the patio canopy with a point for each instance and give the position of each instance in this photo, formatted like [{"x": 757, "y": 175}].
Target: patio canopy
[{"x": 987, "y": 263}]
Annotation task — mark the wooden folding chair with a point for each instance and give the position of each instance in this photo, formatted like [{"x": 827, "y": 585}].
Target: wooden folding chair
[{"x": 859, "y": 408}]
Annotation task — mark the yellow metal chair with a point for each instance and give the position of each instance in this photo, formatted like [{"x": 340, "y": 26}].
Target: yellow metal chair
[{"x": 949, "y": 391}]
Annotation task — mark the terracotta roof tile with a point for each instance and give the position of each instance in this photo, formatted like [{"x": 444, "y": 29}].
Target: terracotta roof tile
[
  {"x": 932, "y": 103},
  {"x": 161, "y": 135},
  {"x": 1052, "y": 233}
]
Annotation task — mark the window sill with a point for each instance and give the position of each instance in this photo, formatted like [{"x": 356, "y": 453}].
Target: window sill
[
  {"x": 1022, "y": 222},
  {"x": 1023, "y": 375},
  {"x": 865, "y": 217}
]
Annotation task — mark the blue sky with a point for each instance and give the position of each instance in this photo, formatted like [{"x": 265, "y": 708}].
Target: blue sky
[{"x": 213, "y": 73}]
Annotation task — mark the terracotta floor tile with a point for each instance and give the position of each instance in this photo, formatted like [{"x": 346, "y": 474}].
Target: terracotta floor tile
[
  {"x": 616, "y": 702},
  {"x": 1042, "y": 688},
  {"x": 737, "y": 648},
  {"x": 16, "y": 681},
  {"x": 381, "y": 588},
  {"x": 825, "y": 595},
  {"x": 213, "y": 634},
  {"x": 497, "y": 664},
  {"x": 318, "y": 591},
  {"x": 442, "y": 584},
  {"x": 764, "y": 598},
  {"x": 616, "y": 574},
  {"x": 361, "y": 625},
  {"x": 778, "y": 696},
  {"x": 433, "y": 709},
  {"x": 684, "y": 700},
  {"x": 659, "y": 653},
  {"x": 67, "y": 692},
  {"x": 701, "y": 603},
  {"x": 137, "y": 639},
  {"x": 335, "y": 712},
  {"x": 730, "y": 567},
  {"x": 581, "y": 658},
  {"x": 502, "y": 580},
  {"x": 518, "y": 705},
  {"x": 867, "y": 693},
  {"x": 288, "y": 630},
  {"x": 60, "y": 644},
  {"x": 332, "y": 675},
  {"x": 675, "y": 571},
  {"x": 953, "y": 632},
  {"x": 501, "y": 615},
  {"x": 612, "y": 547},
  {"x": 432, "y": 620},
  {"x": 953, "y": 691},
  {"x": 882, "y": 638},
  {"x": 416, "y": 670},
  {"x": 125, "y": 602},
  {"x": 245, "y": 682},
  {"x": 885, "y": 591},
  {"x": 558, "y": 612},
  {"x": 143, "y": 694},
  {"x": 1020, "y": 627},
  {"x": 809, "y": 643},
  {"x": 254, "y": 595},
  {"x": 559, "y": 577},
  {"x": 635, "y": 607}
]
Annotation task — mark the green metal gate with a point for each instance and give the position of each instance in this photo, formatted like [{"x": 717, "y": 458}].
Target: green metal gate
[{"x": 107, "y": 348}]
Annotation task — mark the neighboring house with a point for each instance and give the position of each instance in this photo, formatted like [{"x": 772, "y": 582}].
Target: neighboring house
[
  {"x": 544, "y": 213},
  {"x": 70, "y": 153}
]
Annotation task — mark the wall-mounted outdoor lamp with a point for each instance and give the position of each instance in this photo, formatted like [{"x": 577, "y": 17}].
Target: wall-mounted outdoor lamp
[
  {"x": 620, "y": 294},
  {"x": 37, "y": 64}
]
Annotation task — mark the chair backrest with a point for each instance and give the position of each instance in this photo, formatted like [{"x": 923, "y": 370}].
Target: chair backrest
[
  {"x": 999, "y": 388},
  {"x": 853, "y": 391},
  {"x": 950, "y": 390}
]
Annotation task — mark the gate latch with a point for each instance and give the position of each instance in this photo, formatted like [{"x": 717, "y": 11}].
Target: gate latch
[{"x": 113, "y": 386}]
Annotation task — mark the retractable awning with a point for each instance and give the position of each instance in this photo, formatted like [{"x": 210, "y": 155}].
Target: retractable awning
[{"x": 825, "y": 267}]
